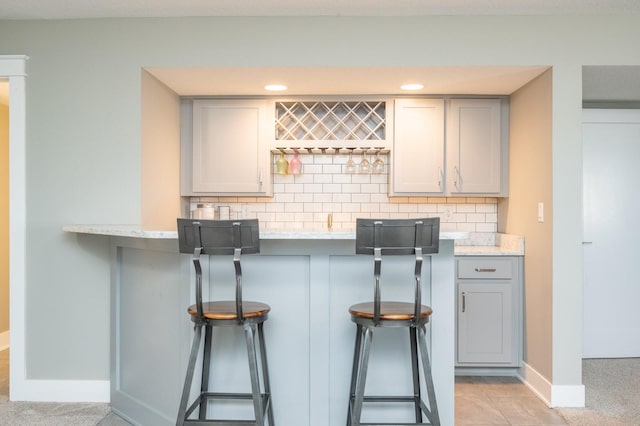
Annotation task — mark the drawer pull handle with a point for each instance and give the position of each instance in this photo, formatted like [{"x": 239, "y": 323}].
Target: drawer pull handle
[{"x": 485, "y": 269}]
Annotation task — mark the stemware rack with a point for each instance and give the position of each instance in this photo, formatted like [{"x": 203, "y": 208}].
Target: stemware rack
[{"x": 332, "y": 151}]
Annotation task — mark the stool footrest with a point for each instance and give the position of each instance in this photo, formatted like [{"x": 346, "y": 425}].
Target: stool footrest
[
  {"x": 195, "y": 422},
  {"x": 416, "y": 400},
  {"x": 204, "y": 397}
]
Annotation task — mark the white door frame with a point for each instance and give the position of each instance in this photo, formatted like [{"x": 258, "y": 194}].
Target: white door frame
[{"x": 12, "y": 68}]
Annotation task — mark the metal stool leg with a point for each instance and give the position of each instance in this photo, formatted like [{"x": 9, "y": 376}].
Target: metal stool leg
[
  {"x": 361, "y": 376},
  {"x": 249, "y": 332},
  {"x": 433, "y": 415},
  {"x": 206, "y": 364},
  {"x": 265, "y": 373},
  {"x": 193, "y": 357},
  {"x": 354, "y": 371},
  {"x": 413, "y": 339}
]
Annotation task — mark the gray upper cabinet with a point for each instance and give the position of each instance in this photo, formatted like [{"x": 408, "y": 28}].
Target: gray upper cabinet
[
  {"x": 418, "y": 147},
  {"x": 229, "y": 151},
  {"x": 475, "y": 147},
  {"x": 458, "y": 153}
]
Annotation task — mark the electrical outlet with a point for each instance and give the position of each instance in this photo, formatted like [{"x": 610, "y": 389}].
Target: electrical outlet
[
  {"x": 448, "y": 213},
  {"x": 244, "y": 211}
]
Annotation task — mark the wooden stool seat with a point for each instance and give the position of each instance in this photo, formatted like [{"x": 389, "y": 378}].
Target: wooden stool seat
[
  {"x": 389, "y": 311},
  {"x": 226, "y": 310}
]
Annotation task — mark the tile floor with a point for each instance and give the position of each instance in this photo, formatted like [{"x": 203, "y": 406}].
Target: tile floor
[
  {"x": 500, "y": 401},
  {"x": 483, "y": 401}
]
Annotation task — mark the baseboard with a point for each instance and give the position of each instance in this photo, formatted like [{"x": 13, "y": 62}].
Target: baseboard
[
  {"x": 4, "y": 340},
  {"x": 552, "y": 395},
  {"x": 61, "y": 391},
  {"x": 486, "y": 371}
]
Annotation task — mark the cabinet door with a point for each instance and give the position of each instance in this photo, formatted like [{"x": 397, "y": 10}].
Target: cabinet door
[
  {"x": 474, "y": 147},
  {"x": 230, "y": 154},
  {"x": 485, "y": 323},
  {"x": 418, "y": 148}
]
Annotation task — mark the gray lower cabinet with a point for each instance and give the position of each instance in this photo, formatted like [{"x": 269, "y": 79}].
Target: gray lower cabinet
[{"x": 489, "y": 311}]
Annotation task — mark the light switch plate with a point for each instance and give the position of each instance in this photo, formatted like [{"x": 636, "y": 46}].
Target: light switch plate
[{"x": 540, "y": 212}]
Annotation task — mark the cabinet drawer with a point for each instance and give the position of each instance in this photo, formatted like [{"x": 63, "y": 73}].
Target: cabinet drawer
[{"x": 485, "y": 268}]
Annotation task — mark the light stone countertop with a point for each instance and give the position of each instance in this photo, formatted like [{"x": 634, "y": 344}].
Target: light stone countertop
[
  {"x": 505, "y": 245},
  {"x": 137, "y": 231}
]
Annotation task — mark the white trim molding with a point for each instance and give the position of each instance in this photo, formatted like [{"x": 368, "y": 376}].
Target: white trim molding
[
  {"x": 12, "y": 67},
  {"x": 552, "y": 395},
  {"x": 65, "y": 391}
]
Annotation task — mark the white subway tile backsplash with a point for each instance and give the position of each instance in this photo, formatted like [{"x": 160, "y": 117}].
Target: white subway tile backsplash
[
  {"x": 352, "y": 188},
  {"x": 331, "y": 168},
  {"x": 322, "y": 198},
  {"x": 312, "y": 207},
  {"x": 323, "y": 178},
  {"x": 475, "y": 217},
  {"x": 341, "y": 198},
  {"x": 361, "y": 198},
  {"x": 408, "y": 208},
  {"x": 465, "y": 208},
  {"x": 370, "y": 188},
  {"x": 389, "y": 208},
  {"x": 293, "y": 207},
  {"x": 351, "y": 207},
  {"x": 370, "y": 207},
  {"x": 294, "y": 187},
  {"x": 284, "y": 197},
  {"x": 312, "y": 187},
  {"x": 330, "y": 188},
  {"x": 303, "y": 198},
  {"x": 304, "y": 202},
  {"x": 311, "y": 169},
  {"x": 427, "y": 208},
  {"x": 487, "y": 208}
]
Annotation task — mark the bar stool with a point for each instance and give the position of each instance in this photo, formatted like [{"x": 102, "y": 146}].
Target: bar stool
[
  {"x": 416, "y": 237},
  {"x": 224, "y": 237}
]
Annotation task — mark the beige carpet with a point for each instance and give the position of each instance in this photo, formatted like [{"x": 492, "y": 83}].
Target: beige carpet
[
  {"x": 45, "y": 413},
  {"x": 612, "y": 394}
]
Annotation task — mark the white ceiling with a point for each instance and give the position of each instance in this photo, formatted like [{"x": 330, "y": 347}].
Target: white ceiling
[
  {"x": 71, "y": 9},
  {"x": 345, "y": 80}
]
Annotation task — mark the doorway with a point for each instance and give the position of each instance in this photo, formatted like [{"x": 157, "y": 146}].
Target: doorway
[{"x": 611, "y": 149}]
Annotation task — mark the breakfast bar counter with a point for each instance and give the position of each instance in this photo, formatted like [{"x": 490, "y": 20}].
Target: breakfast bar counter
[{"x": 309, "y": 278}]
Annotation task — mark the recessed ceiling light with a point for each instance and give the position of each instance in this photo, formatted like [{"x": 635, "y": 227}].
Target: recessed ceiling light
[
  {"x": 412, "y": 86},
  {"x": 275, "y": 87}
]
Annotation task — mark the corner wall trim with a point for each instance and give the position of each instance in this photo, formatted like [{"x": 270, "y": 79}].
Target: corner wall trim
[
  {"x": 536, "y": 382},
  {"x": 568, "y": 396},
  {"x": 63, "y": 391},
  {"x": 552, "y": 395}
]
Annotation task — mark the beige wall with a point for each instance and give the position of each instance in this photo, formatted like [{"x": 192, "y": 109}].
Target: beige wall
[
  {"x": 530, "y": 182},
  {"x": 4, "y": 218},
  {"x": 160, "y": 145}
]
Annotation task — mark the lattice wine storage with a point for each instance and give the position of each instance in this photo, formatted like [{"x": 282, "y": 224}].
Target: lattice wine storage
[{"x": 334, "y": 120}]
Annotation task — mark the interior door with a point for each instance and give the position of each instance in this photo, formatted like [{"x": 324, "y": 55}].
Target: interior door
[{"x": 611, "y": 176}]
